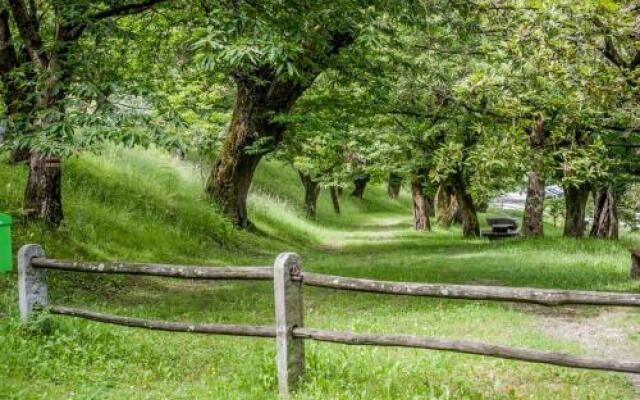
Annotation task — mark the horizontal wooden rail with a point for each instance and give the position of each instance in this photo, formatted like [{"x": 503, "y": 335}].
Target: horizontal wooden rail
[
  {"x": 459, "y": 346},
  {"x": 467, "y": 347},
  {"x": 289, "y": 330},
  {"x": 174, "y": 271},
  {"x": 547, "y": 297},
  {"x": 214, "y": 329}
]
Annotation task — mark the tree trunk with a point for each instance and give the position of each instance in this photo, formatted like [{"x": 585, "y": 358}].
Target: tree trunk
[
  {"x": 257, "y": 101},
  {"x": 443, "y": 200},
  {"x": 575, "y": 207},
  {"x": 42, "y": 199},
  {"x": 455, "y": 215},
  {"x": 420, "y": 205},
  {"x": 335, "y": 199},
  {"x": 533, "y": 219},
  {"x": 43, "y": 194},
  {"x": 360, "y": 184},
  {"x": 311, "y": 193},
  {"x": 605, "y": 214},
  {"x": 446, "y": 206},
  {"x": 431, "y": 205},
  {"x": 466, "y": 208},
  {"x": 394, "y": 185}
]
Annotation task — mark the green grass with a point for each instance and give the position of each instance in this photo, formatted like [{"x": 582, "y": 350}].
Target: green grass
[{"x": 146, "y": 206}]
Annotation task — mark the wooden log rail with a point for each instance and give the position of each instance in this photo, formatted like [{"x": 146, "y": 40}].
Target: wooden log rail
[
  {"x": 216, "y": 329},
  {"x": 351, "y": 338},
  {"x": 468, "y": 347},
  {"x": 166, "y": 270},
  {"x": 546, "y": 297},
  {"x": 289, "y": 331}
]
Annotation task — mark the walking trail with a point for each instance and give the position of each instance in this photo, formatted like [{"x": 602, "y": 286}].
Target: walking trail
[{"x": 612, "y": 333}]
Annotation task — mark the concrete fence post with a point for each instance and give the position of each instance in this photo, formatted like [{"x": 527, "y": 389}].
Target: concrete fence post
[
  {"x": 289, "y": 315},
  {"x": 32, "y": 282}
]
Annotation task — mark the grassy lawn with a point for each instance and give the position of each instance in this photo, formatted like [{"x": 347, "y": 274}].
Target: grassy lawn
[{"x": 146, "y": 206}]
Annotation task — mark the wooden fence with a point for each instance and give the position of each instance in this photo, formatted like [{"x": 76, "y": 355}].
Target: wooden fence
[{"x": 289, "y": 330}]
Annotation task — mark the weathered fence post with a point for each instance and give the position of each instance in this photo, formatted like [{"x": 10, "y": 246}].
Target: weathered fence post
[
  {"x": 289, "y": 314},
  {"x": 32, "y": 282},
  {"x": 635, "y": 264}
]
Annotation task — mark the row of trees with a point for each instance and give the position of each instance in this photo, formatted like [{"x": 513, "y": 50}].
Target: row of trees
[
  {"x": 550, "y": 95},
  {"x": 458, "y": 100}
]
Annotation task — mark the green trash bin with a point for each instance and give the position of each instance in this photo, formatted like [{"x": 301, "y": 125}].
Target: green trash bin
[{"x": 5, "y": 243}]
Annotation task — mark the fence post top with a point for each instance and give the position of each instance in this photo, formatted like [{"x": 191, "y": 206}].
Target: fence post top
[
  {"x": 290, "y": 262},
  {"x": 30, "y": 251}
]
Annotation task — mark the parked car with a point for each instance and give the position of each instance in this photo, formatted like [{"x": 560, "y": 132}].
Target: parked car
[{"x": 553, "y": 192}]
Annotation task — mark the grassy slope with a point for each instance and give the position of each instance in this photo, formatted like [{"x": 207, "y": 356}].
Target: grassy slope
[{"x": 142, "y": 205}]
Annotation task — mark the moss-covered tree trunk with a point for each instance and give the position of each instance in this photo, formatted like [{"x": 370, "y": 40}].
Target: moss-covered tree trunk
[
  {"x": 261, "y": 95},
  {"x": 311, "y": 193},
  {"x": 605, "y": 223},
  {"x": 575, "y": 198},
  {"x": 466, "y": 208},
  {"x": 257, "y": 101},
  {"x": 533, "y": 219}
]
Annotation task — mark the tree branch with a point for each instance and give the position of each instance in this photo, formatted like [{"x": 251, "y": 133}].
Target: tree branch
[
  {"x": 70, "y": 32},
  {"x": 28, "y": 28},
  {"x": 125, "y": 9}
]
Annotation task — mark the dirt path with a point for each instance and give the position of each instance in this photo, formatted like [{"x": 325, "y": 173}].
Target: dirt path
[
  {"x": 375, "y": 230},
  {"x": 610, "y": 334}
]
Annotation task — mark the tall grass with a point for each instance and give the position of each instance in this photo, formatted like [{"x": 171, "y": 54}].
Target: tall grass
[{"x": 145, "y": 205}]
